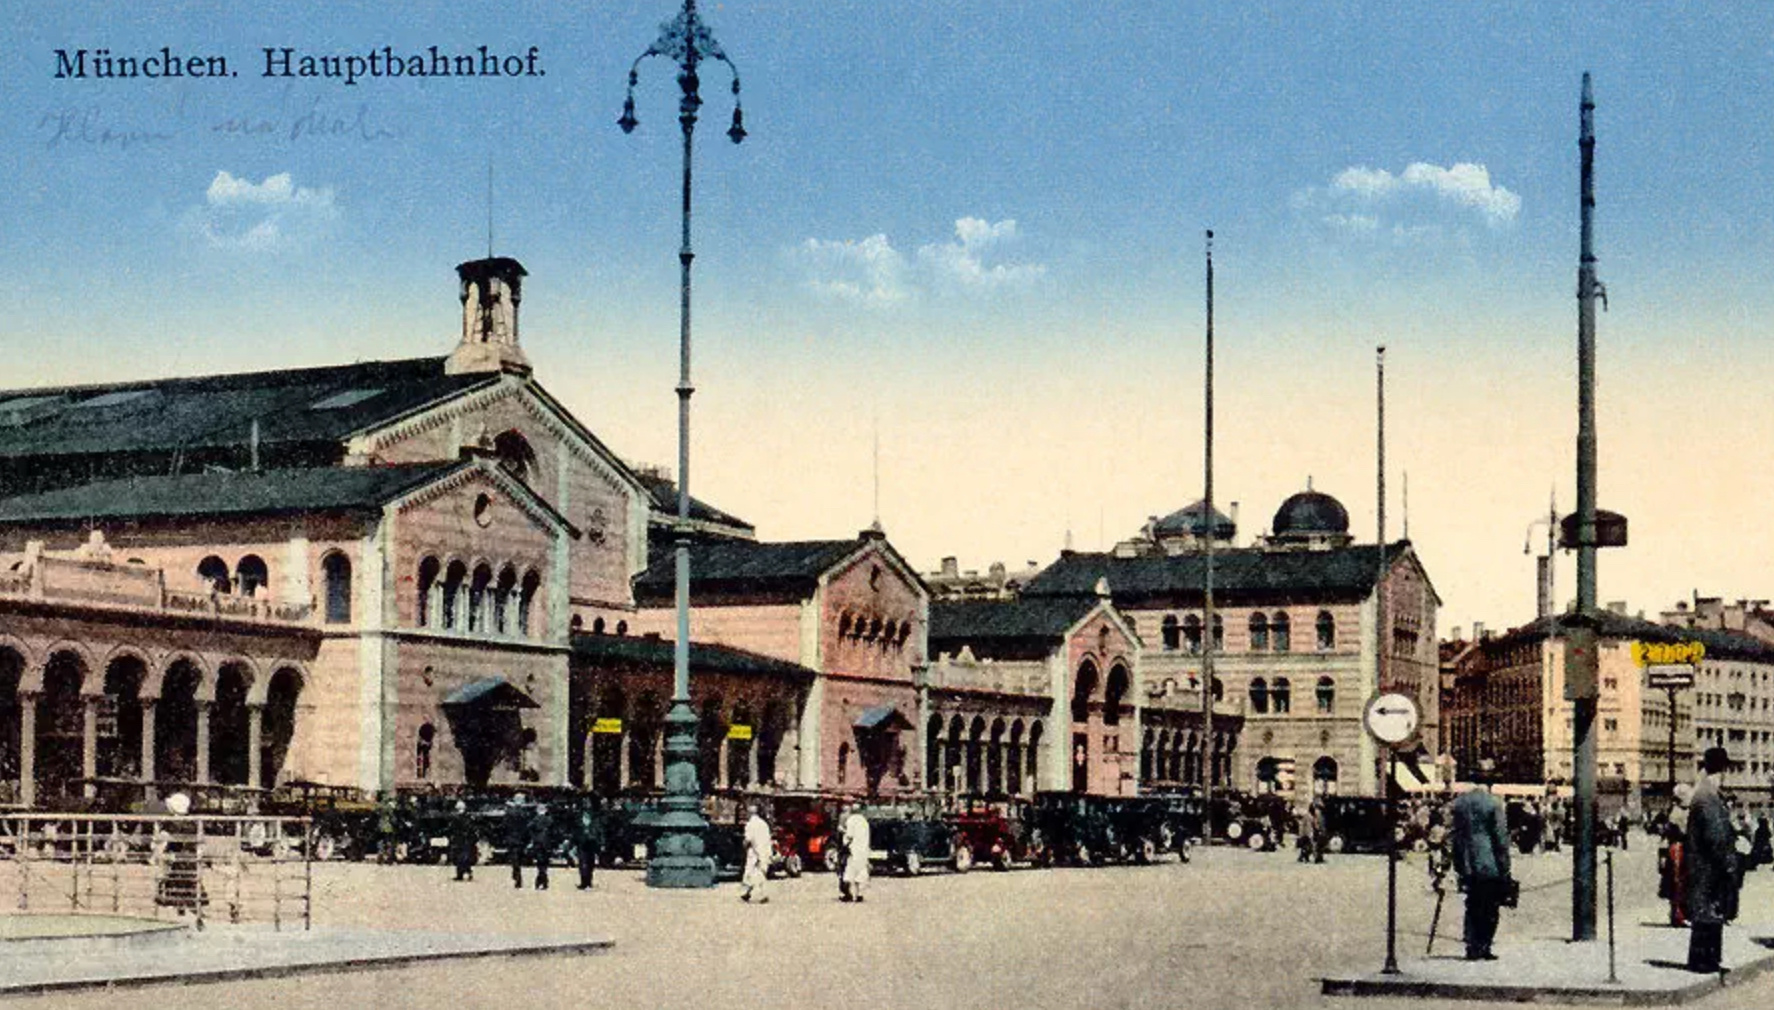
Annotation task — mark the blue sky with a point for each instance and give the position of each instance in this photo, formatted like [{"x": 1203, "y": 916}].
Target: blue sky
[{"x": 976, "y": 228}]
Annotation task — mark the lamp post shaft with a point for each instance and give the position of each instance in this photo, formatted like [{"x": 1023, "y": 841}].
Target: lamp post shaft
[{"x": 1583, "y": 778}]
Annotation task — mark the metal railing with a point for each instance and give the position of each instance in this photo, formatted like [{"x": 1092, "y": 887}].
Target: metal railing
[{"x": 241, "y": 869}]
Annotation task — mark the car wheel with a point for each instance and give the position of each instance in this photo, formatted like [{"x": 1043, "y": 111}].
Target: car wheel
[
  {"x": 792, "y": 864},
  {"x": 1038, "y": 853},
  {"x": 1420, "y": 845},
  {"x": 1256, "y": 841},
  {"x": 963, "y": 858},
  {"x": 1167, "y": 838},
  {"x": 1234, "y": 831},
  {"x": 1148, "y": 851},
  {"x": 1336, "y": 843},
  {"x": 325, "y": 848},
  {"x": 1001, "y": 859},
  {"x": 914, "y": 864},
  {"x": 828, "y": 855}
]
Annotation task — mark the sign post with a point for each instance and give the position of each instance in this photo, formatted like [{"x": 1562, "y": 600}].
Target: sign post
[
  {"x": 1670, "y": 666},
  {"x": 1392, "y": 720}
]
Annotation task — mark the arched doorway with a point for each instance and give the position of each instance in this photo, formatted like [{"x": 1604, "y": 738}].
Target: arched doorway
[
  {"x": 995, "y": 759},
  {"x": 61, "y": 725},
  {"x": 1015, "y": 761},
  {"x": 12, "y": 669},
  {"x": 643, "y": 741},
  {"x": 955, "y": 755},
  {"x": 1034, "y": 767},
  {"x": 933, "y": 752},
  {"x": 769, "y": 740},
  {"x": 175, "y": 724},
  {"x": 1324, "y": 775},
  {"x": 279, "y": 727},
  {"x": 975, "y": 744},
  {"x": 120, "y": 719},
  {"x": 740, "y": 740},
  {"x": 228, "y": 735}
]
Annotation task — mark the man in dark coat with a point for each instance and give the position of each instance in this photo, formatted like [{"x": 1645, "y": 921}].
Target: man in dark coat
[
  {"x": 463, "y": 839},
  {"x": 541, "y": 844},
  {"x": 517, "y": 837},
  {"x": 1481, "y": 861},
  {"x": 588, "y": 843},
  {"x": 1710, "y": 855}
]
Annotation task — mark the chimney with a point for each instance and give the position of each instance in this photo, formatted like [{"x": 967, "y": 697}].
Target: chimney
[
  {"x": 951, "y": 567},
  {"x": 1617, "y": 607},
  {"x": 1478, "y": 631}
]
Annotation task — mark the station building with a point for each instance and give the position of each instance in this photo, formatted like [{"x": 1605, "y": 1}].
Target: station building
[{"x": 1296, "y": 633}]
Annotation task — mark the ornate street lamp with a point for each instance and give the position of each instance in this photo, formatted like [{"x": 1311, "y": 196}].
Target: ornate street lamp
[{"x": 678, "y": 858}]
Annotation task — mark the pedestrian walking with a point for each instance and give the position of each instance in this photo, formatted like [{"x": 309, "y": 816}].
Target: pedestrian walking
[
  {"x": 517, "y": 837},
  {"x": 757, "y": 857},
  {"x": 541, "y": 844},
  {"x": 1481, "y": 862},
  {"x": 1672, "y": 878},
  {"x": 588, "y": 843},
  {"x": 854, "y": 838},
  {"x": 1710, "y": 854},
  {"x": 386, "y": 829},
  {"x": 463, "y": 840},
  {"x": 1761, "y": 847}
]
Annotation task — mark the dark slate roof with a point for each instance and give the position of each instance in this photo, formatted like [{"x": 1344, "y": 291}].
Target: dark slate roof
[
  {"x": 1719, "y": 644},
  {"x": 741, "y": 566},
  {"x": 664, "y": 493},
  {"x": 217, "y": 411},
  {"x": 1043, "y": 618},
  {"x": 653, "y": 651},
  {"x": 1240, "y": 575},
  {"x": 318, "y": 489}
]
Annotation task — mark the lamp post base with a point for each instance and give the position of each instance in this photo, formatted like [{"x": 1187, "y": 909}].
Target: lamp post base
[{"x": 679, "y": 858}]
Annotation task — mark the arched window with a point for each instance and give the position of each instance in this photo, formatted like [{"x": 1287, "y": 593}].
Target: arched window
[
  {"x": 250, "y": 575},
  {"x": 515, "y": 454},
  {"x": 597, "y": 626},
  {"x": 844, "y": 625},
  {"x": 213, "y": 573},
  {"x": 1324, "y": 775},
  {"x": 1219, "y": 633},
  {"x": 1082, "y": 688},
  {"x": 1280, "y": 632},
  {"x": 526, "y": 598},
  {"x": 1173, "y": 637},
  {"x": 336, "y": 571},
  {"x": 422, "y": 751},
  {"x": 1327, "y": 695},
  {"x": 843, "y": 762},
  {"x": 1327, "y": 631},
  {"x": 1219, "y": 689},
  {"x": 503, "y": 591},
  {"x": 890, "y": 634},
  {"x": 1259, "y": 632},
  {"x": 1259, "y": 695},
  {"x": 1113, "y": 693},
  {"x": 424, "y": 612},
  {"x": 452, "y": 593},
  {"x": 1192, "y": 634},
  {"x": 621, "y": 628},
  {"x": 1281, "y": 695},
  {"x": 478, "y": 591}
]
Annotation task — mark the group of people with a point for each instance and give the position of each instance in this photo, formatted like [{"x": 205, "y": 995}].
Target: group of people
[
  {"x": 532, "y": 837},
  {"x": 853, "y": 845}
]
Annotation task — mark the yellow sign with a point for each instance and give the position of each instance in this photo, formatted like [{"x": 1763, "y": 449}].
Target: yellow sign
[
  {"x": 739, "y": 732},
  {"x": 607, "y": 726},
  {"x": 1668, "y": 653}
]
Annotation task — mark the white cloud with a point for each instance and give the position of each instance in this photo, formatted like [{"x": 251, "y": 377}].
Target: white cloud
[
  {"x": 963, "y": 261},
  {"x": 870, "y": 271},
  {"x": 873, "y": 273},
  {"x": 1464, "y": 184},
  {"x": 243, "y": 215}
]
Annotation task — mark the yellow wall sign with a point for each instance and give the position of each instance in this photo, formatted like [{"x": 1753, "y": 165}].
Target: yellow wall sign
[
  {"x": 739, "y": 732},
  {"x": 1668, "y": 653},
  {"x": 607, "y": 726}
]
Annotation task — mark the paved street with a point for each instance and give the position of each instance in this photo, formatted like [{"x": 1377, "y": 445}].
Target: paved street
[{"x": 1233, "y": 929}]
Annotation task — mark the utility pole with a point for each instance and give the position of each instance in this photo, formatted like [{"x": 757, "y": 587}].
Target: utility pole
[
  {"x": 1208, "y": 750},
  {"x": 1581, "y": 661}
]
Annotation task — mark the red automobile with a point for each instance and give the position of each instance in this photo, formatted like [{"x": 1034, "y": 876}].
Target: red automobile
[
  {"x": 803, "y": 827},
  {"x": 994, "y": 836}
]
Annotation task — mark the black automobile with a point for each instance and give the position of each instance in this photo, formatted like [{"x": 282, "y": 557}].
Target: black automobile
[
  {"x": 908, "y": 837},
  {"x": 1152, "y": 825},
  {"x": 1088, "y": 830}
]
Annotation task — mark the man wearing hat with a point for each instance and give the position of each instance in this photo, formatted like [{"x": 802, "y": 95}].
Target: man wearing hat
[
  {"x": 1710, "y": 858},
  {"x": 1480, "y": 840}
]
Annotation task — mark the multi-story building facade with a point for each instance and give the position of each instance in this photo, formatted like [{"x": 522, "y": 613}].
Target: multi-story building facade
[{"x": 1299, "y": 622}]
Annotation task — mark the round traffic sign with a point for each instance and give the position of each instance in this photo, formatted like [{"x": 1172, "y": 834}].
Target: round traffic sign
[{"x": 1392, "y": 718}]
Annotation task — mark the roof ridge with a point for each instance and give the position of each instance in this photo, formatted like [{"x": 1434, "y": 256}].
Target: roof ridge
[{"x": 228, "y": 378}]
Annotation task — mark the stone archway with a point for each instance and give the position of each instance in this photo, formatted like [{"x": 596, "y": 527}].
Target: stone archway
[
  {"x": 229, "y": 734},
  {"x": 61, "y": 725},
  {"x": 279, "y": 724},
  {"x": 176, "y": 720},
  {"x": 120, "y": 718},
  {"x": 12, "y": 671}
]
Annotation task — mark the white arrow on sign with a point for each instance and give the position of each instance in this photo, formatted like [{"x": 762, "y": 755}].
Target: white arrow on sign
[{"x": 1392, "y": 718}]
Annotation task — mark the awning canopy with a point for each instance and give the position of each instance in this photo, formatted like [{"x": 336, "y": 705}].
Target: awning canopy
[
  {"x": 489, "y": 692},
  {"x": 882, "y": 717}
]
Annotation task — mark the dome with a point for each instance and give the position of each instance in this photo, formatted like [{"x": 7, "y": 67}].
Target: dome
[
  {"x": 1187, "y": 521},
  {"x": 1311, "y": 513}
]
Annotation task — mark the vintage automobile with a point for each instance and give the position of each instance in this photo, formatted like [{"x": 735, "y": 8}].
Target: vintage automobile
[
  {"x": 1254, "y": 821},
  {"x": 1081, "y": 830},
  {"x": 1001, "y": 834},
  {"x": 803, "y": 826},
  {"x": 1356, "y": 824},
  {"x": 1151, "y": 825},
  {"x": 909, "y": 836}
]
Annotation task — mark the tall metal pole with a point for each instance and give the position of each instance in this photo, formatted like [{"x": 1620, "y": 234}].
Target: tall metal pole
[
  {"x": 1380, "y": 631},
  {"x": 1583, "y": 875},
  {"x": 678, "y": 858},
  {"x": 1208, "y": 751}
]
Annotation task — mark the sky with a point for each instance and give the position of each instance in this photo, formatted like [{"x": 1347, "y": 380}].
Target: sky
[{"x": 972, "y": 233}]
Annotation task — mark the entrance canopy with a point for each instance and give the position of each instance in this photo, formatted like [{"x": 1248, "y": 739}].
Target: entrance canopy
[
  {"x": 882, "y": 717},
  {"x": 490, "y": 692}
]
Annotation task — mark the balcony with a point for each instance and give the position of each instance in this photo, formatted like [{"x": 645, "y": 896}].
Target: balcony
[{"x": 137, "y": 589}]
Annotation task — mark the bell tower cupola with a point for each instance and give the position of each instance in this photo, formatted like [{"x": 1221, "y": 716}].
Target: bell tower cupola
[{"x": 491, "y": 289}]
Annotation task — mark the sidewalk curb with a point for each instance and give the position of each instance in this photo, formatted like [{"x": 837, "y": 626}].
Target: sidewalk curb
[{"x": 293, "y": 968}]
